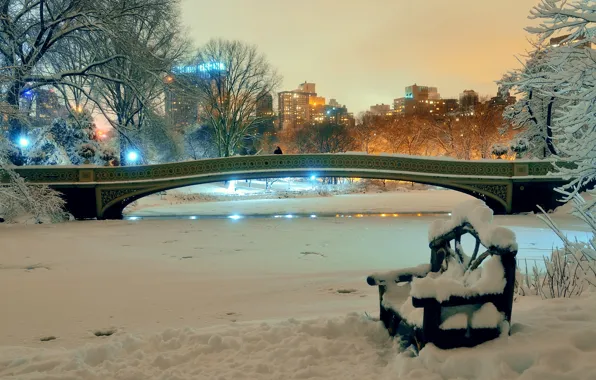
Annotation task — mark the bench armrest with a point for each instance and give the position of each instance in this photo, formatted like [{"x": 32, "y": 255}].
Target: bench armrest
[{"x": 400, "y": 275}]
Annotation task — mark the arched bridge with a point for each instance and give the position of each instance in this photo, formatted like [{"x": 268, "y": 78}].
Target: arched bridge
[{"x": 103, "y": 192}]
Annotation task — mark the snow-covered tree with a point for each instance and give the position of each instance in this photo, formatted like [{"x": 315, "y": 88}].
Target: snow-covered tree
[
  {"x": 566, "y": 36},
  {"x": 155, "y": 45},
  {"x": 532, "y": 115},
  {"x": 19, "y": 199},
  {"x": 60, "y": 143},
  {"x": 572, "y": 82},
  {"x": 199, "y": 142}
]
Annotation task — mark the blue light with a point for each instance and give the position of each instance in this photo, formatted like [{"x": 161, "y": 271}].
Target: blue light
[
  {"x": 132, "y": 156},
  {"x": 235, "y": 217},
  {"x": 23, "y": 142},
  {"x": 289, "y": 216},
  {"x": 193, "y": 217},
  {"x": 202, "y": 68},
  {"x": 133, "y": 218},
  {"x": 313, "y": 216},
  {"x": 212, "y": 66},
  {"x": 313, "y": 177}
]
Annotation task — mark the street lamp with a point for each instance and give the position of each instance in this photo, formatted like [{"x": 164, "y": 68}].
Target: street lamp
[
  {"x": 23, "y": 142},
  {"x": 132, "y": 157}
]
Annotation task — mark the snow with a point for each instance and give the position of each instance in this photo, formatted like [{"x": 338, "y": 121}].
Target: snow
[
  {"x": 554, "y": 338},
  {"x": 395, "y": 295},
  {"x": 492, "y": 277},
  {"x": 210, "y": 299},
  {"x": 452, "y": 282},
  {"x": 455, "y": 322},
  {"x": 480, "y": 216},
  {"x": 486, "y": 317},
  {"x": 387, "y": 277},
  {"x": 414, "y": 316},
  {"x": 416, "y": 201}
]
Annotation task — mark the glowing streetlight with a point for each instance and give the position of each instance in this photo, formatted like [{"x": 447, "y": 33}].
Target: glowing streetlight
[
  {"x": 23, "y": 142},
  {"x": 132, "y": 156}
]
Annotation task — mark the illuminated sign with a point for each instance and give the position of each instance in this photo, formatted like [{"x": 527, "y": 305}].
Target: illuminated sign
[
  {"x": 202, "y": 68},
  {"x": 212, "y": 66}
]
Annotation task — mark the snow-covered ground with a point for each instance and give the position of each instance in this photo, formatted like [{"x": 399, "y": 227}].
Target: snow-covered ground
[
  {"x": 423, "y": 201},
  {"x": 212, "y": 299}
]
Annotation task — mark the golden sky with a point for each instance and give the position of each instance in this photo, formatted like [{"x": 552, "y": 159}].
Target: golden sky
[{"x": 364, "y": 52}]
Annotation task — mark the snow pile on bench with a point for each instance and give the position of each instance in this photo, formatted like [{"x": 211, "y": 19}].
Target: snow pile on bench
[
  {"x": 414, "y": 316},
  {"x": 480, "y": 216},
  {"x": 484, "y": 316},
  {"x": 487, "y": 317},
  {"x": 488, "y": 279},
  {"x": 384, "y": 278}
]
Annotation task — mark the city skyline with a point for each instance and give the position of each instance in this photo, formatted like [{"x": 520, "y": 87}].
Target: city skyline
[{"x": 370, "y": 60}]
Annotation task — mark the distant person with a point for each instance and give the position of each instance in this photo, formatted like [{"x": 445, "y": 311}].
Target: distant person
[{"x": 278, "y": 151}]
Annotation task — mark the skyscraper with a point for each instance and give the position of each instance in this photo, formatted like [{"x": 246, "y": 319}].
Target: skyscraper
[
  {"x": 182, "y": 101},
  {"x": 420, "y": 100},
  {"x": 302, "y": 106},
  {"x": 468, "y": 100},
  {"x": 380, "y": 109},
  {"x": 294, "y": 109},
  {"x": 295, "y": 106},
  {"x": 422, "y": 93},
  {"x": 264, "y": 106},
  {"x": 47, "y": 105},
  {"x": 182, "y": 106}
]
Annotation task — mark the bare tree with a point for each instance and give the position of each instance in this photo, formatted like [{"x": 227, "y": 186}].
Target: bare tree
[
  {"x": 367, "y": 130},
  {"x": 154, "y": 45},
  {"x": 408, "y": 135},
  {"x": 321, "y": 138},
  {"x": 33, "y": 34},
  {"x": 233, "y": 77}
]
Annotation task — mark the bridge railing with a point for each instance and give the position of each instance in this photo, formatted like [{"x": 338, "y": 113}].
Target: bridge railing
[{"x": 341, "y": 162}]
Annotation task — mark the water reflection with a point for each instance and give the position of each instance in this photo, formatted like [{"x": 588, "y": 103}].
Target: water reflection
[{"x": 293, "y": 216}]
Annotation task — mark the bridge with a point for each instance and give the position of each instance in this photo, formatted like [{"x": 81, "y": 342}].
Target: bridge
[{"x": 508, "y": 187}]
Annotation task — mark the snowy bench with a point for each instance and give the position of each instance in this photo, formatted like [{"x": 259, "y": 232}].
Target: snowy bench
[{"x": 454, "y": 301}]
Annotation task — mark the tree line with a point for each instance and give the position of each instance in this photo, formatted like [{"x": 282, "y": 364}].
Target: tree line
[{"x": 477, "y": 136}]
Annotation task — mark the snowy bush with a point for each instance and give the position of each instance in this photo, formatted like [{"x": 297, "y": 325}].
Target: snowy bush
[
  {"x": 499, "y": 150},
  {"x": 18, "y": 199},
  {"x": 570, "y": 270},
  {"x": 519, "y": 146},
  {"x": 107, "y": 155},
  {"x": 87, "y": 151},
  {"x": 62, "y": 143}
]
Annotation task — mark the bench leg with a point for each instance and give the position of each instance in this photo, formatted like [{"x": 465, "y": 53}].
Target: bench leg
[{"x": 431, "y": 321}]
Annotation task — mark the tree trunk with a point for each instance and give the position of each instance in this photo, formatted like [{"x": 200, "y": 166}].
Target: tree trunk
[{"x": 549, "y": 131}]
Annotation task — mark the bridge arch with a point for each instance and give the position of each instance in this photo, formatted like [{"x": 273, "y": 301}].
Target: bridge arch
[{"x": 114, "y": 207}]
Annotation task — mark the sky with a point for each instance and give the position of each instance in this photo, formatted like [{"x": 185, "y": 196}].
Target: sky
[{"x": 365, "y": 52}]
